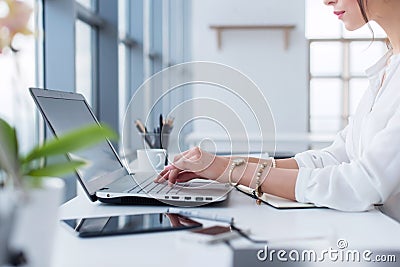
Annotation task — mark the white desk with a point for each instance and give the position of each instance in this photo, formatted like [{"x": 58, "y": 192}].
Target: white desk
[{"x": 370, "y": 230}]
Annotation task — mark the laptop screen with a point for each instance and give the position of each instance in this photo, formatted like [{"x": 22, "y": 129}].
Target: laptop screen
[{"x": 65, "y": 115}]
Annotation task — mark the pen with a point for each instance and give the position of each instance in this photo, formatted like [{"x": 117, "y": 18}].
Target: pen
[
  {"x": 142, "y": 129},
  {"x": 140, "y": 126},
  {"x": 161, "y": 130},
  {"x": 201, "y": 215}
]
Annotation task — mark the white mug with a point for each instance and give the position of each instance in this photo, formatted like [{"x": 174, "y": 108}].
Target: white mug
[{"x": 151, "y": 159}]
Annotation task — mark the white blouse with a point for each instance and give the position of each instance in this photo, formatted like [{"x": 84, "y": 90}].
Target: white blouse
[{"x": 362, "y": 166}]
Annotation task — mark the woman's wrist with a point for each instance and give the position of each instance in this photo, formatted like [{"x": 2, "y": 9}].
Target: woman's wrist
[
  {"x": 239, "y": 174},
  {"x": 234, "y": 169},
  {"x": 222, "y": 169},
  {"x": 246, "y": 174}
]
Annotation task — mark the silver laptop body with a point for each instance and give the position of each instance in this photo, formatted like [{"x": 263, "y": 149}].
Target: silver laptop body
[{"x": 106, "y": 178}]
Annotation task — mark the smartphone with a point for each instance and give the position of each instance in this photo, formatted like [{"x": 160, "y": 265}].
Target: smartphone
[
  {"x": 210, "y": 235},
  {"x": 129, "y": 224}
]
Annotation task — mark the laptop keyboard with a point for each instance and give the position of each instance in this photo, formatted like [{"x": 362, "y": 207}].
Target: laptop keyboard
[
  {"x": 138, "y": 187},
  {"x": 149, "y": 186},
  {"x": 146, "y": 185}
]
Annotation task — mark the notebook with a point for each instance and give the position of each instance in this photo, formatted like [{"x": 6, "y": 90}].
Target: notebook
[
  {"x": 275, "y": 201},
  {"x": 106, "y": 178}
]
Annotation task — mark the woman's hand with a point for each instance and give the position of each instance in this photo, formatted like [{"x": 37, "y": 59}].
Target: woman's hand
[{"x": 195, "y": 163}]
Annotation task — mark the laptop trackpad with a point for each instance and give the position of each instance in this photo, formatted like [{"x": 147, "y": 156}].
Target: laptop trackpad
[{"x": 204, "y": 188}]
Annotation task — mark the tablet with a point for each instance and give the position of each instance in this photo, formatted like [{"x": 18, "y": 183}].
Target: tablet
[{"x": 129, "y": 224}]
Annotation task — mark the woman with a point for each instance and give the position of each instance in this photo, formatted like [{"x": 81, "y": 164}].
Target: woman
[{"x": 362, "y": 166}]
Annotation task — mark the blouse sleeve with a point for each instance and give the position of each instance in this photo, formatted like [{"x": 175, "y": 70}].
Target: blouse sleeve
[
  {"x": 361, "y": 183},
  {"x": 332, "y": 155}
]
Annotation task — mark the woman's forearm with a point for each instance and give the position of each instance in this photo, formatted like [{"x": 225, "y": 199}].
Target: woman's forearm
[
  {"x": 289, "y": 163},
  {"x": 281, "y": 183},
  {"x": 276, "y": 181}
]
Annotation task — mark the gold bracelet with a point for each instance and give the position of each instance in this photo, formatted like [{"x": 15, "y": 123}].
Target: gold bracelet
[
  {"x": 258, "y": 192},
  {"x": 235, "y": 163},
  {"x": 273, "y": 162}
]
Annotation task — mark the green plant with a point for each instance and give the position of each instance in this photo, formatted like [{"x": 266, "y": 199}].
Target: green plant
[{"x": 30, "y": 169}]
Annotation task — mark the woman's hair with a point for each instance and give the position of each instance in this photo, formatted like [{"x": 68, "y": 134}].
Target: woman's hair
[
  {"x": 362, "y": 4},
  {"x": 363, "y": 8}
]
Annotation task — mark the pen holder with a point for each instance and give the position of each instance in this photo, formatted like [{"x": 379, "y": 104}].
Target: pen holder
[{"x": 156, "y": 140}]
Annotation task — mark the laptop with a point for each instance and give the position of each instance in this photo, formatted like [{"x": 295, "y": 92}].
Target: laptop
[{"x": 105, "y": 178}]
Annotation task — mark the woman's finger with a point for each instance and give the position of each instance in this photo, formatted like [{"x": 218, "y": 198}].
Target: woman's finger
[
  {"x": 161, "y": 174},
  {"x": 198, "y": 162},
  {"x": 184, "y": 177},
  {"x": 167, "y": 169},
  {"x": 191, "y": 161},
  {"x": 162, "y": 178},
  {"x": 179, "y": 168},
  {"x": 172, "y": 175}
]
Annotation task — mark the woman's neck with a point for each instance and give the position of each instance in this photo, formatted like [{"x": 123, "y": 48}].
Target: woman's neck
[
  {"x": 389, "y": 20},
  {"x": 394, "y": 38}
]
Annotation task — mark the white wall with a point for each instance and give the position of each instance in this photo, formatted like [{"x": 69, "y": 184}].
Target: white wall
[{"x": 281, "y": 74}]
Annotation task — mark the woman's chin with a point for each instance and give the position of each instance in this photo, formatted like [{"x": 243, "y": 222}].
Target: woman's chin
[{"x": 352, "y": 27}]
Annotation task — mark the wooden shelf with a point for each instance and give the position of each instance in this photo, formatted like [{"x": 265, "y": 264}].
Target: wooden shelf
[{"x": 285, "y": 28}]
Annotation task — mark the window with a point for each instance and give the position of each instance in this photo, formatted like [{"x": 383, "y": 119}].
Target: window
[
  {"x": 153, "y": 35},
  {"x": 123, "y": 51},
  {"x": 86, "y": 30},
  {"x": 19, "y": 71},
  {"x": 105, "y": 46},
  {"x": 130, "y": 61},
  {"x": 338, "y": 59},
  {"x": 96, "y": 57},
  {"x": 84, "y": 63},
  {"x": 85, "y": 50}
]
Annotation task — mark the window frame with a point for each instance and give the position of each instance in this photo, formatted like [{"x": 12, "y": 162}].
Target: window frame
[
  {"x": 59, "y": 68},
  {"x": 345, "y": 76}
]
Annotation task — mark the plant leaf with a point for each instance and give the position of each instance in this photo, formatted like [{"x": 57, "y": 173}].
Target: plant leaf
[
  {"x": 58, "y": 169},
  {"x": 8, "y": 149},
  {"x": 72, "y": 141}
]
